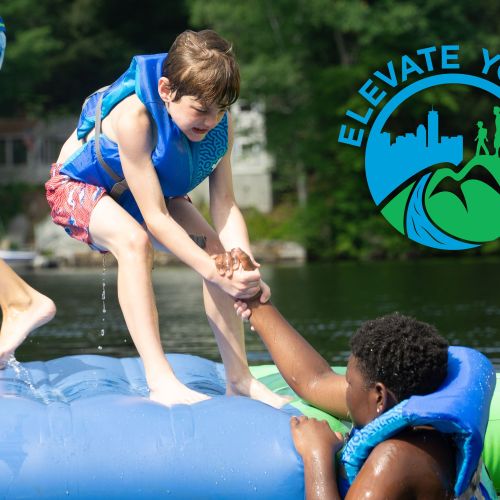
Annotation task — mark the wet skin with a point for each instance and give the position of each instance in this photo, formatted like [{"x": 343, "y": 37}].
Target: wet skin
[{"x": 418, "y": 463}]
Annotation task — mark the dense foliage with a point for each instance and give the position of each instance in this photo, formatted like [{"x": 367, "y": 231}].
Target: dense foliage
[{"x": 304, "y": 59}]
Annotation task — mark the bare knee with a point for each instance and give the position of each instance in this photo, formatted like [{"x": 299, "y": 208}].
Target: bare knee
[{"x": 135, "y": 244}]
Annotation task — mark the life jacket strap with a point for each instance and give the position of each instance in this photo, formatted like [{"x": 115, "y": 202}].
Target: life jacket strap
[
  {"x": 120, "y": 185},
  {"x": 118, "y": 189}
]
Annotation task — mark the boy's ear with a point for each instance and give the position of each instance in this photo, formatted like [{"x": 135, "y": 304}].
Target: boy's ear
[
  {"x": 164, "y": 89},
  {"x": 385, "y": 399}
]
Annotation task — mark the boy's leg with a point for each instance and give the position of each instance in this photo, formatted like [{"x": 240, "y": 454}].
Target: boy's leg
[
  {"x": 227, "y": 327},
  {"x": 113, "y": 229},
  {"x": 23, "y": 310}
]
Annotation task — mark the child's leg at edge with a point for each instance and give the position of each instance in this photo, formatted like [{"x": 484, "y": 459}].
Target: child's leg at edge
[
  {"x": 23, "y": 310},
  {"x": 112, "y": 228},
  {"x": 227, "y": 327}
]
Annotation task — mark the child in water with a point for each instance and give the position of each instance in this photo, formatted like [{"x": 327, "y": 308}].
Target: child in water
[
  {"x": 120, "y": 184},
  {"x": 23, "y": 308}
]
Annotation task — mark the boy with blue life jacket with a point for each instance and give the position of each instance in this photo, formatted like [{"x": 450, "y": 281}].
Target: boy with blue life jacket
[
  {"x": 23, "y": 308},
  {"x": 419, "y": 409},
  {"x": 120, "y": 184}
]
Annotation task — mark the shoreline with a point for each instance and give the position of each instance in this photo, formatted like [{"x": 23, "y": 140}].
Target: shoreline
[{"x": 268, "y": 251}]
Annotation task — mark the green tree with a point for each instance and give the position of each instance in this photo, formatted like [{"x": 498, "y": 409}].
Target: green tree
[
  {"x": 306, "y": 60},
  {"x": 59, "y": 51}
]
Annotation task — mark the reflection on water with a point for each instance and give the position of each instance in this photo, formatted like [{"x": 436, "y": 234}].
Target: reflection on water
[{"x": 325, "y": 302}]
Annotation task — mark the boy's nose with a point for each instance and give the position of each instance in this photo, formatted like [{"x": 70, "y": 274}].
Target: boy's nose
[
  {"x": 210, "y": 121},
  {"x": 213, "y": 117}
]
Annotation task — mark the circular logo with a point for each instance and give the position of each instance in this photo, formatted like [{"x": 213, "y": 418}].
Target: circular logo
[{"x": 424, "y": 183}]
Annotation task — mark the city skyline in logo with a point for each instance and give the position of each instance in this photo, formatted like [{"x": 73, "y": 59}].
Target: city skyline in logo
[{"x": 425, "y": 146}]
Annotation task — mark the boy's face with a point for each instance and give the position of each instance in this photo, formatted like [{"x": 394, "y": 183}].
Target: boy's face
[
  {"x": 191, "y": 115},
  {"x": 359, "y": 396}
]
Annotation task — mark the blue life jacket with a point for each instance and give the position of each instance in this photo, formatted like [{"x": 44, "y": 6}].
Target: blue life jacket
[
  {"x": 180, "y": 163},
  {"x": 460, "y": 408}
]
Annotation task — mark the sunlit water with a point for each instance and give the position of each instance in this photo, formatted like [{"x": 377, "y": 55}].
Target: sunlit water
[{"x": 325, "y": 302}]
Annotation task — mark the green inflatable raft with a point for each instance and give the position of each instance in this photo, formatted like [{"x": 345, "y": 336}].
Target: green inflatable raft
[{"x": 270, "y": 376}]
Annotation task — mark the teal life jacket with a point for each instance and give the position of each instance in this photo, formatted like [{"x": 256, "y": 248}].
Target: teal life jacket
[
  {"x": 181, "y": 164},
  {"x": 459, "y": 408}
]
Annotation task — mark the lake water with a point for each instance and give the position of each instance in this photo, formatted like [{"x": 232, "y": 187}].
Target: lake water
[{"x": 325, "y": 302}]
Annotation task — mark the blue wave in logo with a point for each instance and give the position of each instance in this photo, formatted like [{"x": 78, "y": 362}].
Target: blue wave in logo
[{"x": 419, "y": 227}]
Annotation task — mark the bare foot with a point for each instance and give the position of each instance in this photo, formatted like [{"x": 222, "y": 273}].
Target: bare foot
[
  {"x": 254, "y": 389},
  {"x": 18, "y": 322},
  {"x": 174, "y": 392}
]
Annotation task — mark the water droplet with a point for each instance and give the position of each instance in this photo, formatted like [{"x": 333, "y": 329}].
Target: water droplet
[{"x": 103, "y": 293}]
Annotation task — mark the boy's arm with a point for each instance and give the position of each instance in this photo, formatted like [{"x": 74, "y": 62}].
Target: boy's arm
[
  {"x": 396, "y": 468},
  {"x": 226, "y": 216},
  {"x": 317, "y": 444},
  {"x": 303, "y": 368},
  {"x": 135, "y": 144}
]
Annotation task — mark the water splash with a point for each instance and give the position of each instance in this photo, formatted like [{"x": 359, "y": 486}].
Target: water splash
[
  {"x": 103, "y": 297},
  {"x": 23, "y": 375}
]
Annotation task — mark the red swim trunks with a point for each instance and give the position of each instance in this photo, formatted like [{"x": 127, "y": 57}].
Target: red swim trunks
[{"x": 71, "y": 203}]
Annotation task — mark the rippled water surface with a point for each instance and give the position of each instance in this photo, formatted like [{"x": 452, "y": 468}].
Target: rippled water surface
[{"x": 325, "y": 302}]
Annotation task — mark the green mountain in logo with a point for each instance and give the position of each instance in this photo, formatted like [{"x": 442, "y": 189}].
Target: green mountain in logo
[
  {"x": 395, "y": 210},
  {"x": 466, "y": 203}
]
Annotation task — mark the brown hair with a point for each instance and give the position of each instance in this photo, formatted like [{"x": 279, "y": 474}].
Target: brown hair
[{"x": 202, "y": 64}]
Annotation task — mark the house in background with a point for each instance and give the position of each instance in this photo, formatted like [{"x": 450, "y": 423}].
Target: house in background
[
  {"x": 252, "y": 164},
  {"x": 28, "y": 148}
]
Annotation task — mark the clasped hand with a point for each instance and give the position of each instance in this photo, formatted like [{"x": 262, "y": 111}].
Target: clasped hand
[{"x": 239, "y": 275}]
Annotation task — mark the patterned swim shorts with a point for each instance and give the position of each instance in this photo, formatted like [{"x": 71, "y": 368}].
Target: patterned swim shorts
[{"x": 71, "y": 203}]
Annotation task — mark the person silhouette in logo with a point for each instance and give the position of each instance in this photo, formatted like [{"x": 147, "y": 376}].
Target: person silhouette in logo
[
  {"x": 481, "y": 139},
  {"x": 496, "y": 142}
]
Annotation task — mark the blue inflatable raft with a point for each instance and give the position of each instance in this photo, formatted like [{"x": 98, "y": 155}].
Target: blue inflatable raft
[{"x": 82, "y": 427}]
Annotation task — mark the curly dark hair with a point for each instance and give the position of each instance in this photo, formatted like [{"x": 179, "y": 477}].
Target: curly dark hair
[{"x": 408, "y": 356}]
